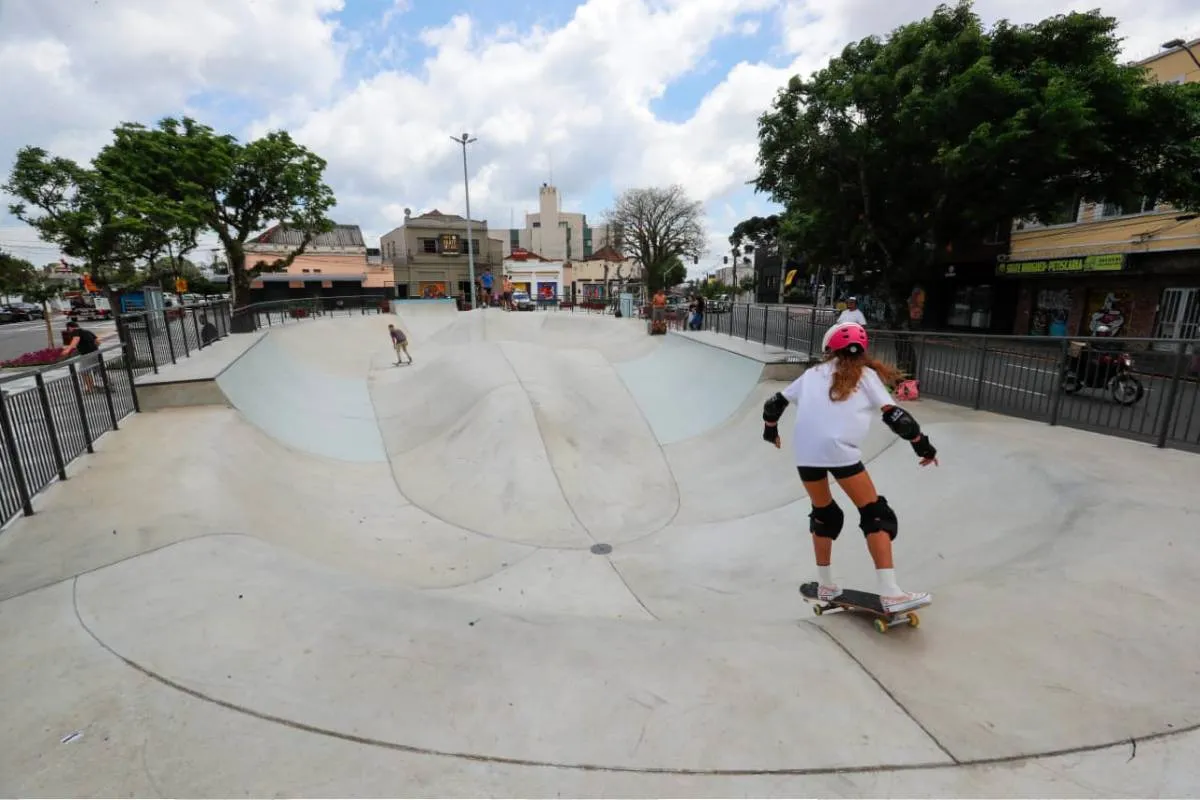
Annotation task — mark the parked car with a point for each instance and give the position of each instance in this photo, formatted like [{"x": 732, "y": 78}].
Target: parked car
[
  {"x": 32, "y": 309},
  {"x": 523, "y": 302}
]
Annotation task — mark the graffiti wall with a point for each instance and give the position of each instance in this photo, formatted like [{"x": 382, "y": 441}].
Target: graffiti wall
[
  {"x": 1106, "y": 309},
  {"x": 432, "y": 290},
  {"x": 1051, "y": 310}
]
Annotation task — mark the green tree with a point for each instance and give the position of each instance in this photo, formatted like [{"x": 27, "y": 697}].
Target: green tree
[
  {"x": 660, "y": 228},
  {"x": 140, "y": 170},
  {"x": 13, "y": 273},
  {"x": 76, "y": 209},
  {"x": 899, "y": 148},
  {"x": 40, "y": 287},
  {"x": 235, "y": 189}
]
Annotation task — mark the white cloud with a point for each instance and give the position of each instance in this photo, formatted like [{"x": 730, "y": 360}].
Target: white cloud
[{"x": 580, "y": 96}]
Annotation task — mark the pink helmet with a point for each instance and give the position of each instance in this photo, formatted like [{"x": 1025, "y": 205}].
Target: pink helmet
[{"x": 846, "y": 336}]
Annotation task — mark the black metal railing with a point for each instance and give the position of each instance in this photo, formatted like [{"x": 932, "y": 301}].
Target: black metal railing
[
  {"x": 280, "y": 312},
  {"x": 160, "y": 338},
  {"x": 1021, "y": 376},
  {"x": 49, "y": 416}
]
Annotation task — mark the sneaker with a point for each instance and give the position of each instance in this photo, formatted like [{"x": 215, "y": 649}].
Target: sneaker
[
  {"x": 906, "y": 601},
  {"x": 828, "y": 592}
]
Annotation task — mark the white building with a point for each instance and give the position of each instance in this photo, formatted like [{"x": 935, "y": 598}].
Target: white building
[
  {"x": 553, "y": 233},
  {"x": 540, "y": 278}
]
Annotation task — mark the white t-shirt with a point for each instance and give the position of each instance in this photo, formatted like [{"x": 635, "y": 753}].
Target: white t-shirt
[
  {"x": 852, "y": 315},
  {"x": 829, "y": 434}
]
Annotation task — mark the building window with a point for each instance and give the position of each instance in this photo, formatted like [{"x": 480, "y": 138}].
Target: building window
[
  {"x": 537, "y": 224},
  {"x": 449, "y": 244},
  {"x": 971, "y": 308},
  {"x": 316, "y": 271},
  {"x": 429, "y": 245},
  {"x": 514, "y": 238},
  {"x": 304, "y": 270},
  {"x": 772, "y": 281},
  {"x": 1179, "y": 314}
]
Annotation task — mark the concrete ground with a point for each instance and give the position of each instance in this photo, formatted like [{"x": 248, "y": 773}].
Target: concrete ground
[{"x": 220, "y": 604}]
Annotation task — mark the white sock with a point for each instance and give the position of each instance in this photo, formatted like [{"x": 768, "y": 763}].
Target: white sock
[
  {"x": 826, "y": 574},
  {"x": 887, "y": 583}
]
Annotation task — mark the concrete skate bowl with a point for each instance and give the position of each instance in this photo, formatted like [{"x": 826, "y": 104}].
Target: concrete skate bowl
[{"x": 540, "y": 579}]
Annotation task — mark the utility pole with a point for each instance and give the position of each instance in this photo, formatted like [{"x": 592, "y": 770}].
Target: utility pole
[{"x": 464, "y": 141}]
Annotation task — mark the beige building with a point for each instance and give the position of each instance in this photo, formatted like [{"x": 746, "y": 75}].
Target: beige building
[
  {"x": 1133, "y": 268},
  {"x": 600, "y": 275},
  {"x": 428, "y": 255},
  {"x": 334, "y": 264},
  {"x": 553, "y": 233}
]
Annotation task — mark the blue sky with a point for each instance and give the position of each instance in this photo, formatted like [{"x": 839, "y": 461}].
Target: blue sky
[{"x": 633, "y": 93}]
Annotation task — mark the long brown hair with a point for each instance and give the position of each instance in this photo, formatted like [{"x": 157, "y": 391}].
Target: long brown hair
[{"x": 848, "y": 369}]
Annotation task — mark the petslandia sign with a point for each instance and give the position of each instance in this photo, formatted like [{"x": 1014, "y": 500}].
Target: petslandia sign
[{"x": 1108, "y": 262}]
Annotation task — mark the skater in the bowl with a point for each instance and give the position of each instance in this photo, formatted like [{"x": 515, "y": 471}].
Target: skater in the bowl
[
  {"x": 399, "y": 344},
  {"x": 835, "y": 401}
]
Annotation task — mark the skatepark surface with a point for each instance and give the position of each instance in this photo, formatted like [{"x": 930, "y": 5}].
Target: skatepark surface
[{"x": 554, "y": 557}]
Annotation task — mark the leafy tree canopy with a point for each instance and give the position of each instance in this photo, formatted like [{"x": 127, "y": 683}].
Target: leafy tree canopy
[
  {"x": 223, "y": 185},
  {"x": 946, "y": 131},
  {"x": 660, "y": 228},
  {"x": 76, "y": 209},
  {"x": 756, "y": 231}
]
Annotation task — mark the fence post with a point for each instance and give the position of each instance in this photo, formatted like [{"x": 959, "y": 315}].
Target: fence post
[
  {"x": 187, "y": 351},
  {"x": 170, "y": 344},
  {"x": 787, "y": 322},
  {"x": 10, "y": 444},
  {"x": 766, "y": 323},
  {"x": 1056, "y": 403},
  {"x": 150, "y": 342},
  {"x": 128, "y": 357},
  {"x": 87, "y": 430},
  {"x": 196, "y": 328},
  {"x": 747, "y": 335},
  {"x": 812, "y": 332},
  {"x": 979, "y": 376},
  {"x": 112, "y": 410},
  {"x": 1172, "y": 395},
  {"x": 55, "y": 445}
]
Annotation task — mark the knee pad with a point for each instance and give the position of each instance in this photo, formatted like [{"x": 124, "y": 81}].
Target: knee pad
[
  {"x": 878, "y": 516},
  {"x": 826, "y": 521}
]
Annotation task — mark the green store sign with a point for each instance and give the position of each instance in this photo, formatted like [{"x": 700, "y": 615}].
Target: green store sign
[{"x": 1111, "y": 262}]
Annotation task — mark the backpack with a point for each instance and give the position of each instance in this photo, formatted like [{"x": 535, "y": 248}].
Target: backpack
[{"x": 907, "y": 390}]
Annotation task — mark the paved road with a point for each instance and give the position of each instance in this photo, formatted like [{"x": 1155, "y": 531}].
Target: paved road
[
  {"x": 17, "y": 338},
  {"x": 1020, "y": 384}
]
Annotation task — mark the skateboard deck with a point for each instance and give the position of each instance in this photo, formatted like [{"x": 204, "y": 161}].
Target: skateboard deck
[{"x": 863, "y": 602}]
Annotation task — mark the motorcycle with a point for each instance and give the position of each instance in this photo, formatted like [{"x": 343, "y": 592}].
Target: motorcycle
[{"x": 1095, "y": 367}]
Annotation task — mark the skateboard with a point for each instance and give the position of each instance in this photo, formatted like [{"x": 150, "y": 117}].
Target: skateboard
[{"x": 866, "y": 602}]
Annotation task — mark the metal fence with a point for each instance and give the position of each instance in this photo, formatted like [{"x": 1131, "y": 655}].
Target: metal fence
[
  {"x": 159, "y": 338},
  {"x": 1020, "y": 376},
  {"x": 281, "y": 312},
  {"x": 51, "y": 415}
]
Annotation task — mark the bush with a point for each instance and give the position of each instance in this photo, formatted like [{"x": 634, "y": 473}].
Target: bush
[{"x": 38, "y": 358}]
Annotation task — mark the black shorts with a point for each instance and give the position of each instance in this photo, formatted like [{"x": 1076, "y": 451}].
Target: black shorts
[{"x": 819, "y": 473}]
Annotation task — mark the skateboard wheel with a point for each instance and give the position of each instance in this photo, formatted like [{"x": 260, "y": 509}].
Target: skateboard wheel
[
  {"x": 881, "y": 626},
  {"x": 914, "y": 621},
  {"x": 818, "y": 610}
]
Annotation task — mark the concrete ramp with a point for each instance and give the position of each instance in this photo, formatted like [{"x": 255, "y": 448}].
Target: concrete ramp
[
  {"x": 311, "y": 410},
  {"x": 506, "y": 570},
  {"x": 685, "y": 388}
]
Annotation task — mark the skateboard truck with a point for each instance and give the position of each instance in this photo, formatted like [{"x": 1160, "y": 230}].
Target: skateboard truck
[{"x": 865, "y": 602}]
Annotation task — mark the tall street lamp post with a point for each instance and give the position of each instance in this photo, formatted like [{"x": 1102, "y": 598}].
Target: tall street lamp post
[
  {"x": 464, "y": 141},
  {"x": 1180, "y": 43}
]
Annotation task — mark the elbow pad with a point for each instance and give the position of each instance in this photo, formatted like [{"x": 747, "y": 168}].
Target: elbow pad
[
  {"x": 901, "y": 422},
  {"x": 774, "y": 407}
]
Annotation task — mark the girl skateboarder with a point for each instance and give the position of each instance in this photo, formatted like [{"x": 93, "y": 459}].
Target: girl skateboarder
[{"x": 834, "y": 404}]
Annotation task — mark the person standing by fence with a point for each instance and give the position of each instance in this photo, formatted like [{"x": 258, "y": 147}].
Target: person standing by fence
[{"x": 85, "y": 343}]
